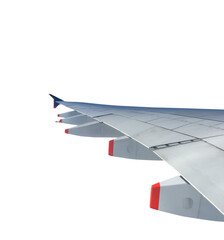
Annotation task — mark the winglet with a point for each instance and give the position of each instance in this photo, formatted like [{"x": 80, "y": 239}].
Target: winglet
[{"x": 56, "y": 100}]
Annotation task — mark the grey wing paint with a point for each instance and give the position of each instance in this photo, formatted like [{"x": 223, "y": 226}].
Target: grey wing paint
[{"x": 190, "y": 140}]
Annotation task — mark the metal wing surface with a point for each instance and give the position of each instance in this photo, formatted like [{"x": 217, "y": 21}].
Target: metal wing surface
[{"x": 190, "y": 140}]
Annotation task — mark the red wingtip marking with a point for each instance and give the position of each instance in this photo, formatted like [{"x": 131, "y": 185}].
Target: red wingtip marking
[
  {"x": 111, "y": 148},
  {"x": 154, "y": 199},
  {"x": 54, "y": 107},
  {"x": 66, "y": 130},
  {"x": 60, "y": 120},
  {"x": 58, "y": 115}
]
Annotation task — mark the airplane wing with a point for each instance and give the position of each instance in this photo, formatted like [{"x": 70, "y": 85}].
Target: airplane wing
[{"x": 190, "y": 140}]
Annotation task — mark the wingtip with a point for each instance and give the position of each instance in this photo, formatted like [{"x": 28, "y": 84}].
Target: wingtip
[
  {"x": 67, "y": 131},
  {"x": 56, "y": 100}
]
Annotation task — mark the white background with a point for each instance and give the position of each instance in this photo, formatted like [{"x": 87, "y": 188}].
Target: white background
[{"x": 142, "y": 53}]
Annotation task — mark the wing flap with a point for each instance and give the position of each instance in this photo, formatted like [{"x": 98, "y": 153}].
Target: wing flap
[
  {"x": 144, "y": 133},
  {"x": 200, "y": 131},
  {"x": 217, "y": 141}
]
